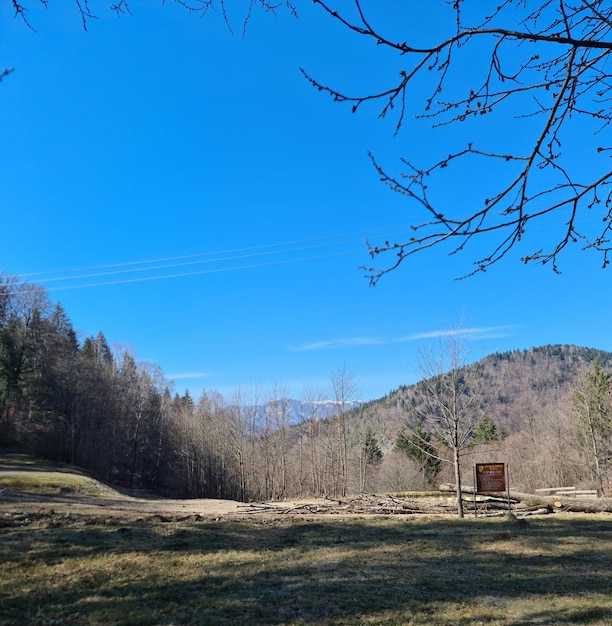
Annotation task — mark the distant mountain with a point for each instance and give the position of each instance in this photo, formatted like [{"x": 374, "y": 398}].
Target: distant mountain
[
  {"x": 517, "y": 380},
  {"x": 295, "y": 411}
]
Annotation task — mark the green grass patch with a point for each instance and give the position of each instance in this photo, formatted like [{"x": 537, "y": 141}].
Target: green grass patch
[
  {"x": 306, "y": 571},
  {"x": 10, "y": 461},
  {"x": 21, "y": 473},
  {"x": 50, "y": 483}
]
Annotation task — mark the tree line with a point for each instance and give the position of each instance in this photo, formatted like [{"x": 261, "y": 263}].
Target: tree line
[{"x": 83, "y": 403}]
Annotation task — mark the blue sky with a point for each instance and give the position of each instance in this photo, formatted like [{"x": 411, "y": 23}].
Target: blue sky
[{"x": 186, "y": 191}]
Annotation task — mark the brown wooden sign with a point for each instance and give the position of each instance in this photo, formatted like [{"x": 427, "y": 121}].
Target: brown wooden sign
[{"x": 490, "y": 477}]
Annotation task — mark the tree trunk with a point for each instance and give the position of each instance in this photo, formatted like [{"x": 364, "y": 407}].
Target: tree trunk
[
  {"x": 555, "y": 503},
  {"x": 458, "y": 482}
]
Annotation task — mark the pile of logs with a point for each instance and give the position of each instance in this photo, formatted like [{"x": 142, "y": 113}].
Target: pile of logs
[
  {"x": 559, "y": 500},
  {"x": 442, "y": 502},
  {"x": 362, "y": 504}
]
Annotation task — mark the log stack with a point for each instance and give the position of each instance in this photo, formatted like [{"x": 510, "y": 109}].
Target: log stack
[{"x": 553, "y": 499}]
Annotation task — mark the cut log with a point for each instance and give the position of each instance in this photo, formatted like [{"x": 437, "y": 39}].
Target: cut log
[
  {"x": 543, "y": 511},
  {"x": 514, "y": 495},
  {"x": 558, "y": 502}
]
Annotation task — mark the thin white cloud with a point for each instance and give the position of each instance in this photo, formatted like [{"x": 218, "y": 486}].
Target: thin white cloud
[
  {"x": 485, "y": 332},
  {"x": 190, "y": 375},
  {"x": 338, "y": 343}
]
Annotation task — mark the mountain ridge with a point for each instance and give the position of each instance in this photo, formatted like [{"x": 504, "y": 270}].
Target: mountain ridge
[{"x": 541, "y": 374}]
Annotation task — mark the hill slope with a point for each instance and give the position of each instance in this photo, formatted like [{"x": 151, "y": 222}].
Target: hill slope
[
  {"x": 32, "y": 484},
  {"x": 537, "y": 379},
  {"x": 527, "y": 394}
]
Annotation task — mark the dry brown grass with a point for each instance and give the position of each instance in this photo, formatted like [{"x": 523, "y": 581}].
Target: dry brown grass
[{"x": 71, "y": 568}]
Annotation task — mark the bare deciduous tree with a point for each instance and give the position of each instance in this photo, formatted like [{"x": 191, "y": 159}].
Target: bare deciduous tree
[
  {"x": 313, "y": 429},
  {"x": 344, "y": 387},
  {"x": 448, "y": 404},
  {"x": 274, "y": 442},
  {"x": 242, "y": 427},
  {"x": 370, "y": 455},
  {"x": 592, "y": 411},
  {"x": 540, "y": 68}
]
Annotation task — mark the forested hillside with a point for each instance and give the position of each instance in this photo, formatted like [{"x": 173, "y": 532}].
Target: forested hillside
[
  {"x": 79, "y": 402},
  {"x": 526, "y": 415},
  {"x": 515, "y": 383}
]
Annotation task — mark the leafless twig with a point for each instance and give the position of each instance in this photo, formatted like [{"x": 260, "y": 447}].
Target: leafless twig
[{"x": 547, "y": 60}]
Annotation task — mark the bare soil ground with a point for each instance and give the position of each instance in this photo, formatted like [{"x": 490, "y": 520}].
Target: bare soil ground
[
  {"x": 30, "y": 486},
  {"x": 107, "y": 503}
]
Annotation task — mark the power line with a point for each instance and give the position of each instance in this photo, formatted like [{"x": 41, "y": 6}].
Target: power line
[
  {"x": 229, "y": 256},
  {"x": 187, "y": 263},
  {"x": 180, "y": 275}
]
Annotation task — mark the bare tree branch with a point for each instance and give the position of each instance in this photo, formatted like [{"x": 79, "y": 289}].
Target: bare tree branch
[
  {"x": 548, "y": 60},
  {"x": 122, "y": 7}
]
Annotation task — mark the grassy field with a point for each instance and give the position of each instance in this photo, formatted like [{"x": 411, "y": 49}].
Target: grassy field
[{"x": 68, "y": 568}]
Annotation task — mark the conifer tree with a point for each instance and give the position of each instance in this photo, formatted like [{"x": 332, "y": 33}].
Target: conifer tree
[{"x": 417, "y": 446}]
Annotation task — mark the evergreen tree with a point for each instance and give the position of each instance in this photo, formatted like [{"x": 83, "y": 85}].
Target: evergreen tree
[
  {"x": 486, "y": 431},
  {"x": 417, "y": 446}
]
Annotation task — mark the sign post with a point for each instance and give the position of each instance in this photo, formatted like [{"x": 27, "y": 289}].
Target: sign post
[{"x": 491, "y": 478}]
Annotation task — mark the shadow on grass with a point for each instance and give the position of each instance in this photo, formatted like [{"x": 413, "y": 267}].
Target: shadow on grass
[{"x": 308, "y": 571}]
